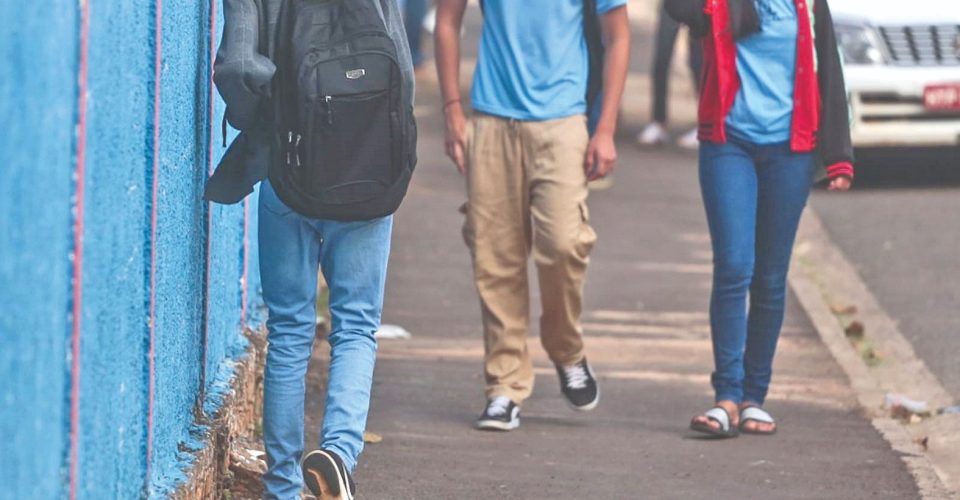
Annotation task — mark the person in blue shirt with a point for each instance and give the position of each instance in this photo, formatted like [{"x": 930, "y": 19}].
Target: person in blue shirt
[
  {"x": 527, "y": 155},
  {"x": 755, "y": 184}
]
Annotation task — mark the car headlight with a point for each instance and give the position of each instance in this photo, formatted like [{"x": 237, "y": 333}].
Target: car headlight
[{"x": 859, "y": 44}]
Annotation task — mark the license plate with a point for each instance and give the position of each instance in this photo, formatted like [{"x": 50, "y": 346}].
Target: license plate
[{"x": 943, "y": 97}]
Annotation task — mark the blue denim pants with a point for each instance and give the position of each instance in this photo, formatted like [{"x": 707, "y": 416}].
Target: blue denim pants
[
  {"x": 754, "y": 196},
  {"x": 353, "y": 258},
  {"x": 414, "y": 12}
]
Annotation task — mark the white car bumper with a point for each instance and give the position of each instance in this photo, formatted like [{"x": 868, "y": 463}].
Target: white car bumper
[{"x": 887, "y": 106}]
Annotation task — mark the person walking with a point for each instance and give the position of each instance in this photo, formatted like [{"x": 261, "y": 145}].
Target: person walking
[
  {"x": 329, "y": 191},
  {"x": 772, "y": 104},
  {"x": 665, "y": 40},
  {"x": 414, "y": 13},
  {"x": 527, "y": 157}
]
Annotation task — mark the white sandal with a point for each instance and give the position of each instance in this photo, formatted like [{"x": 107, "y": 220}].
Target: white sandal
[
  {"x": 758, "y": 415},
  {"x": 722, "y": 418}
]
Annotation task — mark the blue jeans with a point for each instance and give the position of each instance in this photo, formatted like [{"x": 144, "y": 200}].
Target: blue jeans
[
  {"x": 754, "y": 196},
  {"x": 353, "y": 258},
  {"x": 414, "y": 12}
]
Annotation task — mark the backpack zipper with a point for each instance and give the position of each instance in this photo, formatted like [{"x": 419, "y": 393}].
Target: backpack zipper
[
  {"x": 328, "y": 100},
  {"x": 293, "y": 145},
  {"x": 296, "y": 148}
]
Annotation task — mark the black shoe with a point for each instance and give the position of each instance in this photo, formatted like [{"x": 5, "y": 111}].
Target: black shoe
[
  {"x": 327, "y": 477},
  {"x": 579, "y": 385},
  {"x": 501, "y": 414}
]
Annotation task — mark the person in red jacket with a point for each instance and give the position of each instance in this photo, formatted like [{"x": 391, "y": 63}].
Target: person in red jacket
[{"x": 772, "y": 105}]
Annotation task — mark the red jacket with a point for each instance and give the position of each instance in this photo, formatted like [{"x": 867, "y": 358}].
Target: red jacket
[{"x": 820, "y": 118}]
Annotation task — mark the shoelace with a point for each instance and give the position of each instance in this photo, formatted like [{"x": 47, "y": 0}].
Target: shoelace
[
  {"x": 498, "y": 406},
  {"x": 577, "y": 376}
]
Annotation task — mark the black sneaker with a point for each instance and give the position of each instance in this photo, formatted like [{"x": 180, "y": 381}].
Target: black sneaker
[
  {"x": 327, "y": 477},
  {"x": 501, "y": 414},
  {"x": 579, "y": 385}
]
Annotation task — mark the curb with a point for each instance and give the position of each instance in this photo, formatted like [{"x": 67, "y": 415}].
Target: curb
[{"x": 821, "y": 275}]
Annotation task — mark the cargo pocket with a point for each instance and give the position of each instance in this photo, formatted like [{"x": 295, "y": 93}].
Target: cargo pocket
[
  {"x": 467, "y": 230},
  {"x": 586, "y": 236}
]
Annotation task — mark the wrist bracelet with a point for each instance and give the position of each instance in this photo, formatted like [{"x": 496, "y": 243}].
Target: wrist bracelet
[{"x": 449, "y": 103}]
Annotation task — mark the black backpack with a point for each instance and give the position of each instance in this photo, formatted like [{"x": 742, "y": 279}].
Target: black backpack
[{"x": 345, "y": 137}]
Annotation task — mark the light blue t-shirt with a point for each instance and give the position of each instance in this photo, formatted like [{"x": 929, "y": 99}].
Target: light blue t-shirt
[
  {"x": 533, "y": 59},
  {"x": 766, "y": 62}
]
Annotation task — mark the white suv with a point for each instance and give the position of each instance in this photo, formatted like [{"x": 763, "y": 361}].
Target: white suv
[{"x": 902, "y": 69}]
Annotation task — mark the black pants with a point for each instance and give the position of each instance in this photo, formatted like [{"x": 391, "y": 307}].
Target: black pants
[{"x": 666, "y": 37}]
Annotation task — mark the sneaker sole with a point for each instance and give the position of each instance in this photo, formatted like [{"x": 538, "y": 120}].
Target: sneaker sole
[
  {"x": 496, "y": 425},
  {"x": 587, "y": 407},
  {"x": 323, "y": 477}
]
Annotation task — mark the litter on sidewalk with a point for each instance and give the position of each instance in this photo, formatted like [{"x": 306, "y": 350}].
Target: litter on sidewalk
[{"x": 392, "y": 332}]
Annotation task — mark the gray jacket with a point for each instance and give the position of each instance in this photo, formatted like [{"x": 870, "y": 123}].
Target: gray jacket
[{"x": 243, "y": 71}]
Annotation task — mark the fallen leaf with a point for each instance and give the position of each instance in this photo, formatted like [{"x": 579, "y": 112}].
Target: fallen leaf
[
  {"x": 372, "y": 437},
  {"x": 854, "y": 330},
  {"x": 871, "y": 356},
  {"x": 843, "y": 310}
]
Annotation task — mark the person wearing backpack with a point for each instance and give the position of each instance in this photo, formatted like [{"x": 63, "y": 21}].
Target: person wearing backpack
[
  {"x": 322, "y": 93},
  {"x": 527, "y": 158}
]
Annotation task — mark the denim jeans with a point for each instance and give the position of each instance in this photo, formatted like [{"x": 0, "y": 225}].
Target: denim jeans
[
  {"x": 414, "y": 12},
  {"x": 666, "y": 37},
  {"x": 353, "y": 258},
  {"x": 754, "y": 196}
]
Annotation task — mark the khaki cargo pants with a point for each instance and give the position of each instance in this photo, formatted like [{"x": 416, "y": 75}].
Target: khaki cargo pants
[{"x": 527, "y": 191}]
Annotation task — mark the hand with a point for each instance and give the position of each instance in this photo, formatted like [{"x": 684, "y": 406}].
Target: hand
[
  {"x": 456, "y": 139},
  {"x": 601, "y": 156},
  {"x": 841, "y": 183}
]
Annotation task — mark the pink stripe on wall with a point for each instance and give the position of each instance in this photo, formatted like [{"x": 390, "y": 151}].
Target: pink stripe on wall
[
  {"x": 246, "y": 262},
  {"x": 213, "y": 56},
  {"x": 210, "y": 153},
  {"x": 152, "y": 327},
  {"x": 79, "y": 174}
]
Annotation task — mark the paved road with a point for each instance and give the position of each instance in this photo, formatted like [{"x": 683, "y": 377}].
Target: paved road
[
  {"x": 647, "y": 335},
  {"x": 901, "y": 228}
]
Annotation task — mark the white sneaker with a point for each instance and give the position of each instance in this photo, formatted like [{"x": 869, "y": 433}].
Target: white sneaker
[
  {"x": 689, "y": 140},
  {"x": 430, "y": 20},
  {"x": 653, "y": 135}
]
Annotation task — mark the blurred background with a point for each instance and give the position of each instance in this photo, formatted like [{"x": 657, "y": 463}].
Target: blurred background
[{"x": 124, "y": 298}]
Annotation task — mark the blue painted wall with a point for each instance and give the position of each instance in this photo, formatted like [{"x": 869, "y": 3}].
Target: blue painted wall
[
  {"x": 35, "y": 241},
  {"x": 159, "y": 281}
]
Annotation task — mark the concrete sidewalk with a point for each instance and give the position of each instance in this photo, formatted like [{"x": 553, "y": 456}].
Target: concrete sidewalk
[{"x": 647, "y": 336}]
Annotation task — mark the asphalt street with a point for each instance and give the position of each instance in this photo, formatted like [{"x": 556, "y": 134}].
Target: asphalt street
[{"x": 900, "y": 227}]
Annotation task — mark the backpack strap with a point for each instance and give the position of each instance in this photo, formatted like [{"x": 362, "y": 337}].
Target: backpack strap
[
  {"x": 285, "y": 105},
  {"x": 595, "y": 51}
]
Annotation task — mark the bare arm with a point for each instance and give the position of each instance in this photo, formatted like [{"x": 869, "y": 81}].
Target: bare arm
[
  {"x": 447, "y": 42},
  {"x": 602, "y": 153},
  {"x": 616, "y": 35}
]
